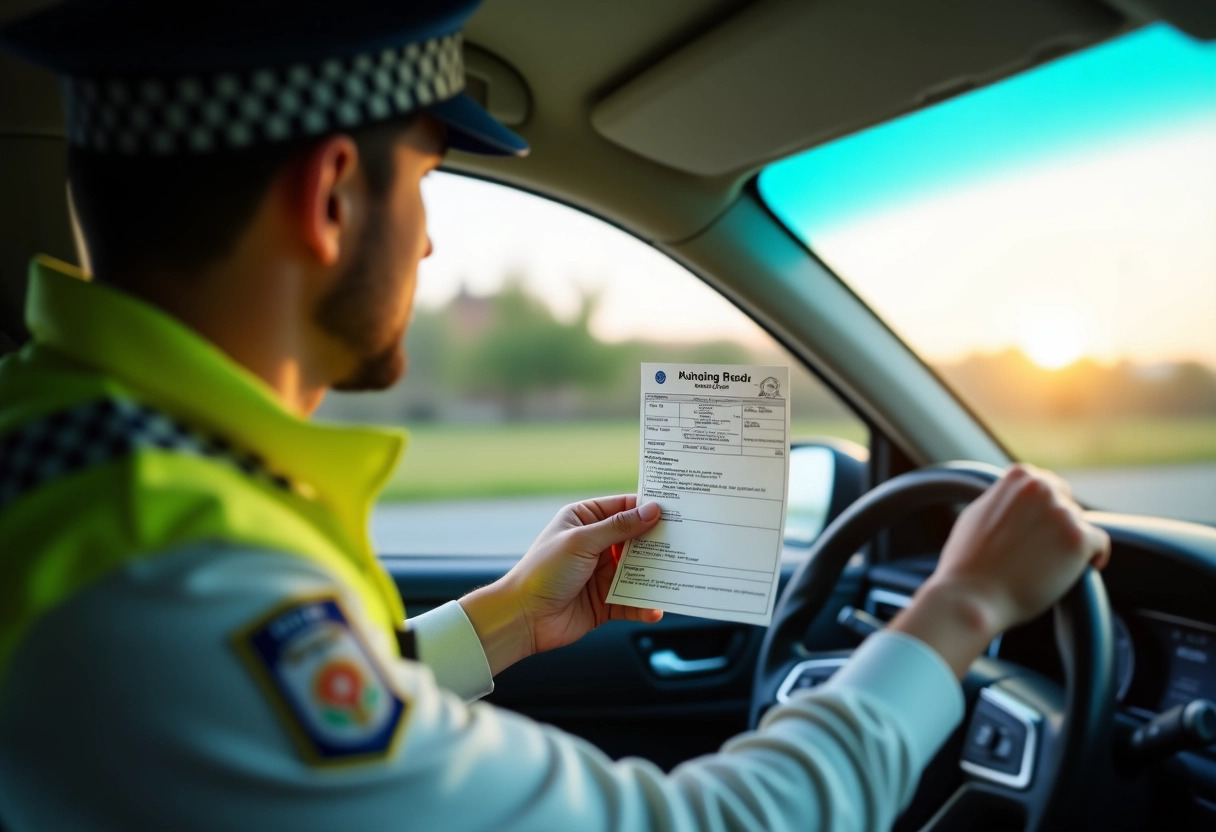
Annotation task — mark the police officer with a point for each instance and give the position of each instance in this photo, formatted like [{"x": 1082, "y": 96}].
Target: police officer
[{"x": 195, "y": 632}]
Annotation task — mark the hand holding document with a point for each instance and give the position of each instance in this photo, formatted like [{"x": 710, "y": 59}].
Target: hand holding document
[{"x": 714, "y": 454}]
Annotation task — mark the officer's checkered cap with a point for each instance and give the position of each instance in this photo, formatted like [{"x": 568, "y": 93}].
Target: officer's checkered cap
[
  {"x": 77, "y": 438},
  {"x": 236, "y": 110}
]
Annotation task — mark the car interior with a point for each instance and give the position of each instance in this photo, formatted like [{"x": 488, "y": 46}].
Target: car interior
[{"x": 657, "y": 117}]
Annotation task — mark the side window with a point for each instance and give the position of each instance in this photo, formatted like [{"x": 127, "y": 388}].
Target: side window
[{"x": 530, "y": 321}]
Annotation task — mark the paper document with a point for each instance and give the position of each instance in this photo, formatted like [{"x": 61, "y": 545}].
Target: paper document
[{"x": 715, "y": 456}]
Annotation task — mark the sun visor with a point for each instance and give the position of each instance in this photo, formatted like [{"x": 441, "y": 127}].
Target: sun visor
[{"x": 782, "y": 75}]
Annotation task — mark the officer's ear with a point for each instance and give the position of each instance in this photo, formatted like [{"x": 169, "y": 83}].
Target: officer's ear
[{"x": 329, "y": 201}]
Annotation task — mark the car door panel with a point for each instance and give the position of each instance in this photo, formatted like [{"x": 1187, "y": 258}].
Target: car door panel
[{"x": 667, "y": 691}]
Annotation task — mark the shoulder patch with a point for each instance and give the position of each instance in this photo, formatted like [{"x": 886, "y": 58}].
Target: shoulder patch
[{"x": 323, "y": 680}]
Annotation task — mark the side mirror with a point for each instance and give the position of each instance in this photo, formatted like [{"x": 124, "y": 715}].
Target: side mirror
[{"x": 826, "y": 476}]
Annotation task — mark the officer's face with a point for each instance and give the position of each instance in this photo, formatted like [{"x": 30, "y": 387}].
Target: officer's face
[{"x": 370, "y": 306}]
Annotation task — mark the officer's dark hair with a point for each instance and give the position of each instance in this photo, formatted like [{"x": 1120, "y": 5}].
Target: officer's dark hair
[{"x": 185, "y": 212}]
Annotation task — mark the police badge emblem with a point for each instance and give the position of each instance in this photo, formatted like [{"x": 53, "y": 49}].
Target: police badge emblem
[{"x": 337, "y": 702}]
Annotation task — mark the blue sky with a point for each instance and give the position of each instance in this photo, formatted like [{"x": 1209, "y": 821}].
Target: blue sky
[{"x": 1144, "y": 81}]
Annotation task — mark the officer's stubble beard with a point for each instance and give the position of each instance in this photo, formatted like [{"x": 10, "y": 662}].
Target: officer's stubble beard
[{"x": 356, "y": 310}]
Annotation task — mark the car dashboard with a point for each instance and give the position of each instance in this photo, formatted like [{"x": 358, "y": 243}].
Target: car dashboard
[{"x": 1161, "y": 659}]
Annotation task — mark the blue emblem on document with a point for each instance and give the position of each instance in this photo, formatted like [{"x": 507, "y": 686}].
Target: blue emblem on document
[
  {"x": 660, "y": 376},
  {"x": 322, "y": 679}
]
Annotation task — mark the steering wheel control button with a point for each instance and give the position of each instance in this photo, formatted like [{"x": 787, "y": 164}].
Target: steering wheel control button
[
  {"x": 997, "y": 739},
  {"x": 1001, "y": 740},
  {"x": 984, "y": 734},
  {"x": 808, "y": 674}
]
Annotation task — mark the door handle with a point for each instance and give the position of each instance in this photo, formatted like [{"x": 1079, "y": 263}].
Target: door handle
[{"x": 669, "y": 664}]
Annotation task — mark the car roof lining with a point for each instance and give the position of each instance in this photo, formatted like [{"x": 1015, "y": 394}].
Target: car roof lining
[
  {"x": 585, "y": 66},
  {"x": 641, "y": 177},
  {"x": 785, "y": 74}
]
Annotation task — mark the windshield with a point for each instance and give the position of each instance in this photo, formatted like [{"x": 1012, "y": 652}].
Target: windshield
[{"x": 1048, "y": 244}]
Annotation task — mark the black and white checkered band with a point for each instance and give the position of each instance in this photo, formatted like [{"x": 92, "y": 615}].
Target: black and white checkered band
[
  {"x": 71, "y": 440},
  {"x": 177, "y": 115}
]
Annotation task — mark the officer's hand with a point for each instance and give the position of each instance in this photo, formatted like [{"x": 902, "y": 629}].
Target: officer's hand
[
  {"x": 1012, "y": 554},
  {"x": 555, "y": 594}
]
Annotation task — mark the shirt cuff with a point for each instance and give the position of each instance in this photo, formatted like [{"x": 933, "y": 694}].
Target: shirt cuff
[
  {"x": 449, "y": 646},
  {"x": 913, "y": 684}
]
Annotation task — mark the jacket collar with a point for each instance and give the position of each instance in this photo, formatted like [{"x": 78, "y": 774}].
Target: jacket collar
[{"x": 177, "y": 369}]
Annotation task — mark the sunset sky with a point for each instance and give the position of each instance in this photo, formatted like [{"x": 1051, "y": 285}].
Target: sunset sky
[{"x": 1111, "y": 254}]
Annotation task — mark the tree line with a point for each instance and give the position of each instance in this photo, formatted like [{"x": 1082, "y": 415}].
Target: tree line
[
  {"x": 1009, "y": 385},
  {"x": 508, "y": 357}
]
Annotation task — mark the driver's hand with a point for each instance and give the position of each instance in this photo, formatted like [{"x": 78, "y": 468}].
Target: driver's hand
[
  {"x": 1021, "y": 545},
  {"x": 1012, "y": 554},
  {"x": 555, "y": 594}
]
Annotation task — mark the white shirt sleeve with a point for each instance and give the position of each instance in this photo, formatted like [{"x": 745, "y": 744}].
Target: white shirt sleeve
[
  {"x": 449, "y": 646},
  {"x": 127, "y": 707}
]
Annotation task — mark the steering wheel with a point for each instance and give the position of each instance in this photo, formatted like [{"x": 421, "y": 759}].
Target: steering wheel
[{"x": 1055, "y": 737}]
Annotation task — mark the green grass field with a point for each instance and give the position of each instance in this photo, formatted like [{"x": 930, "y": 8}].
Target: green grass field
[
  {"x": 449, "y": 462},
  {"x": 1102, "y": 444},
  {"x": 445, "y": 462}
]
